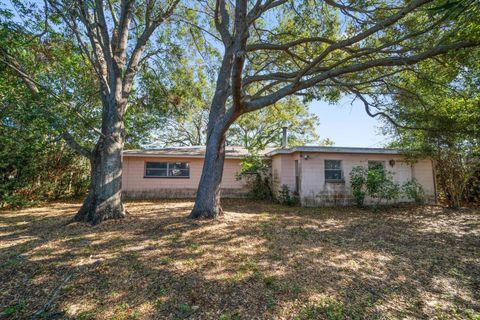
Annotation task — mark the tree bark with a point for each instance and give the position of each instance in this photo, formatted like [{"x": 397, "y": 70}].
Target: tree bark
[
  {"x": 207, "y": 203},
  {"x": 104, "y": 200}
]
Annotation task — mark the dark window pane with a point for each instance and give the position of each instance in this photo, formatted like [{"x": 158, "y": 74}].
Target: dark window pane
[
  {"x": 167, "y": 169},
  {"x": 156, "y": 165},
  {"x": 156, "y": 172},
  {"x": 333, "y": 164},
  {"x": 376, "y": 165},
  {"x": 333, "y": 175},
  {"x": 333, "y": 170},
  {"x": 178, "y": 165}
]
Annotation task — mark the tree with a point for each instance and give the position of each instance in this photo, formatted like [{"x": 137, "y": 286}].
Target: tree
[
  {"x": 254, "y": 131},
  {"x": 257, "y": 130},
  {"x": 273, "y": 49},
  {"x": 114, "y": 39},
  {"x": 437, "y": 115},
  {"x": 191, "y": 89},
  {"x": 34, "y": 162}
]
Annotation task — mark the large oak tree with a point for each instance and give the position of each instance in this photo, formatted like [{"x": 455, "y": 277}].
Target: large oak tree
[
  {"x": 272, "y": 49},
  {"x": 114, "y": 37}
]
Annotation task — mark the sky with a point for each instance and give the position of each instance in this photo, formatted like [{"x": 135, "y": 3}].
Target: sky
[{"x": 347, "y": 124}]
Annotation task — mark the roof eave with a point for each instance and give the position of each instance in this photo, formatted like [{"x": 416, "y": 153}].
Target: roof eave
[
  {"x": 345, "y": 150},
  {"x": 143, "y": 155}
]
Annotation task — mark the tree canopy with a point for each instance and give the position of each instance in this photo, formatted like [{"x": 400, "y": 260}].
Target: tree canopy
[{"x": 275, "y": 49}]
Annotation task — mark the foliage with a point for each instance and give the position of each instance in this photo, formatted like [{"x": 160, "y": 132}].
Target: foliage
[
  {"x": 255, "y": 169},
  {"x": 260, "y": 129},
  {"x": 380, "y": 185},
  {"x": 472, "y": 192},
  {"x": 35, "y": 164},
  {"x": 253, "y": 163},
  {"x": 357, "y": 181},
  {"x": 375, "y": 183},
  {"x": 63, "y": 101},
  {"x": 414, "y": 191},
  {"x": 186, "y": 95},
  {"x": 254, "y": 131},
  {"x": 437, "y": 111},
  {"x": 285, "y": 196},
  {"x": 273, "y": 50}
]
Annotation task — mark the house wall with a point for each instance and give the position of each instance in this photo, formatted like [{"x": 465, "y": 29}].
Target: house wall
[
  {"x": 315, "y": 191},
  {"x": 136, "y": 186},
  {"x": 283, "y": 172}
]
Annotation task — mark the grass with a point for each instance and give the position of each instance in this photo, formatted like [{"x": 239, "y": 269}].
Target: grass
[{"x": 260, "y": 261}]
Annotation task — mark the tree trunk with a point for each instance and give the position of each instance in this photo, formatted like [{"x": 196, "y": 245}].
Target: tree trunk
[
  {"x": 207, "y": 202},
  {"x": 104, "y": 200}
]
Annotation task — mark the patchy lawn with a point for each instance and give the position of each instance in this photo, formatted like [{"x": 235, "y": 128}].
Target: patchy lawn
[{"x": 261, "y": 261}]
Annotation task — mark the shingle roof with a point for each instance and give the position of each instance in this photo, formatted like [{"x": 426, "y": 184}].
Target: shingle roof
[
  {"x": 234, "y": 152},
  {"x": 237, "y": 152},
  {"x": 333, "y": 150}
]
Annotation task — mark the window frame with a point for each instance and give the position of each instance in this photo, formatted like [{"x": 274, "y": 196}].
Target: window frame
[
  {"x": 342, "y": 178},
  {"x": 384, "y": 166},
  {"x": 168, "y": 176}
]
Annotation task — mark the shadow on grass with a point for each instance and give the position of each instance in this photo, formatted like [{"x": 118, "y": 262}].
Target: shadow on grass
[{"x": 260, "y": 261}]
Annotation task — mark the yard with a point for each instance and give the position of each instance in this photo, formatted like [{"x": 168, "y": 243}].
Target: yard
[{"x": 261, "y": 261}]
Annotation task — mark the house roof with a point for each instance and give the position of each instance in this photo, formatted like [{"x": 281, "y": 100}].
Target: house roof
[
  {"x": 237, "y": 152},
  {"x": 231, "y": 152},
  {"x": 333, "y": 150}
]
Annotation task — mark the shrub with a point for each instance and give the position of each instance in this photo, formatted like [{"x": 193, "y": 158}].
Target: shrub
[
  {"x": 255, "y": 169},
  {"x": 390, "y": 190},
  {"x": 357, "y": 181},
  {"x": 414, "y": 191},
  {"x": 13, "y": 201},
  {"x": 285, "y": 197},
  {"x": 376, "y": 183},
  {"x": 260, "y": 188},
  {"x": 380, "y": 186}
]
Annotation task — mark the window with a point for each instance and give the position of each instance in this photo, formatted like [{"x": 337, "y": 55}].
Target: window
[
  {"x": 333, "y": 170},
  {"x": 376, "y": 165},
  {"x": 167, "y": 169}
]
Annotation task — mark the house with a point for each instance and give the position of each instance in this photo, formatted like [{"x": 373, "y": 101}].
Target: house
[
  {"x": 321, "y": 175},
  {"x": 317, "y": 175},
  {"x": 175, "y": 172}
]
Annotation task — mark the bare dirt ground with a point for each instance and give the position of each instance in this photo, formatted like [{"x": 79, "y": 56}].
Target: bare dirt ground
[{"x": 261, "y": 261}]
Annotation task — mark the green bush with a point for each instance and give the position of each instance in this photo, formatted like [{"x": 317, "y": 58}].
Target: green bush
[
  {"x": 390, "y": 190},
  {"x": 13, "y": 201},
  {"x": 255, "y": 170},
  {"x": 380, "y": 185},
  {"x": 285, "y": 197},
  {"x": 260, "y": 188},
  {"x": 376, "y": 183},
  {"x": 414, "y": 191},
  {"x": 357, "y": 181}
]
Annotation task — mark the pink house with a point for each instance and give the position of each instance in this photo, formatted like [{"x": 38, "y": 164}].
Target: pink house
[
  {"x": 321, "y": 175},
  {"x": 175, "y": 172},
  {"x": 317, "y": 175}
]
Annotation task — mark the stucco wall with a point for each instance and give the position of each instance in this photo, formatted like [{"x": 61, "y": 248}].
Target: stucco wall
[
  {"x": 315, "y": 191},
  {"x": 283, "y": 172},
  {"x": 135, "y": 185}
]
